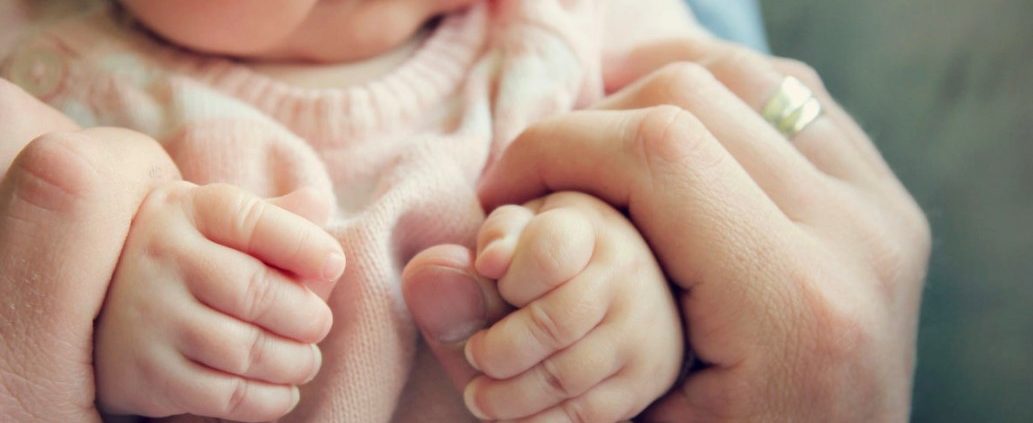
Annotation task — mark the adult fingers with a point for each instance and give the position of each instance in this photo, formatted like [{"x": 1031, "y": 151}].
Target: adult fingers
[
  {"x": 23, "y": 119},
  {"x": 702, "y": 213},
  {"x": 238, "y": 348},
  {"x": 829, "y": 141},
  {"x": 242, "y": 221},
  {"x": 449, "y": 302},
  {"x": 245, "y": 288},
  {"x": 784, "y": 174},
  {"x": 65, "y": 210}
]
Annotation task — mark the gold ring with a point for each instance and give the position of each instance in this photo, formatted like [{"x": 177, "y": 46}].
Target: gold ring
[{"x": 792, "y": 108}]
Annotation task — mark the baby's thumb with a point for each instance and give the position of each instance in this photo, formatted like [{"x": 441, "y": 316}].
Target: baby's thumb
[
  {"x": 449, "y": 303},
  {"x": 305, "y": 202},
  {"x": 310, "y": 205}
]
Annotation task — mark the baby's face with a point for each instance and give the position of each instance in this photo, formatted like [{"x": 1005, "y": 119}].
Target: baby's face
[{"x": 312, "y": 30}]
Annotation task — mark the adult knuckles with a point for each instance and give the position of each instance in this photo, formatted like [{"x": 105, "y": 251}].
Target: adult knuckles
[
  {"x": 836, "y": 331},
  {"x": 56, "y": 172},
  {"x": 669, "y": 84},
  {"x": 670, "y": 136}
]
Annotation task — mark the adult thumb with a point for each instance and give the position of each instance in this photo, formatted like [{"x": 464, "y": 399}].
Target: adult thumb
[{"x": 449, "y": 303}]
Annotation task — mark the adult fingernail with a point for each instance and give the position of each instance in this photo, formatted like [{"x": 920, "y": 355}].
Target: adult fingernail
[
  {"x": 333, "y": 267},
  {"x": 452, "y": 306}
]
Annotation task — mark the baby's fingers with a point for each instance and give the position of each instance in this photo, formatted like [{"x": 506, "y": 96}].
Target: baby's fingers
[
  {"x": 307, "y": 203},
  {"x": 553, "y": 248},
  {"x": 206, "y": 392},
  {"x": 237, "y": 348},
  {"x": 613, "y": 400},
  {"x": 497, "y": 239},
  {"x": 243, "y": 287},
  {"x": 549, "y": 324},
  {"x": 567, "y": 374},
  {"x": 242, "y": 221}
]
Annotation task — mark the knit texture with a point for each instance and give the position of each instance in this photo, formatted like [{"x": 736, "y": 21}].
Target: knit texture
[{"x": 397, "y": 157}]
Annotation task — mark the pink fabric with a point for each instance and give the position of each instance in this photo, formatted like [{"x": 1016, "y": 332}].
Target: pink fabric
[{"x": 397, "y": 157}]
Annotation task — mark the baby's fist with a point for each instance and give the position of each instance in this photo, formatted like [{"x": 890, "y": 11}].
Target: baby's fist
[
  {"x": 597, "y": 336},
  {"x": 215, "y": 307}
]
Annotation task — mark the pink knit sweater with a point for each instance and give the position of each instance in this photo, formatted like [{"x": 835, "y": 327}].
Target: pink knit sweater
[{"x": 398, "y": 157}]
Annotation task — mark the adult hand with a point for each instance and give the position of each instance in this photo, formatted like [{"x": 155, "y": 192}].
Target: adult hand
[
  {"x": 65, "y": 207},
  {"x": 799, "y": 264}
]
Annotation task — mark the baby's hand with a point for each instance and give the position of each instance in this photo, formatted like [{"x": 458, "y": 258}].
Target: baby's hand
[
  {"x": 207, "y": 313},
  {"x": 597, "y": 336}
]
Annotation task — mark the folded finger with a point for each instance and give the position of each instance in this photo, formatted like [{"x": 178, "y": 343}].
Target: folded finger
[
  {"x": 497, "y": 239},
  {"x": 242, "y": 221},
  {"x": 207, "y": 392},
  {"x": 554, "y": 322},
  {"x": 305, "y": 202},
  {"x": 756, "y": 78},
  {"x": 241, "y": 349},
  {"x": 611, "y": 401},
  {"x": 248, "y": 289},
  {"x": 566, "y": 374},
  {"x": 553, "y": 248}
]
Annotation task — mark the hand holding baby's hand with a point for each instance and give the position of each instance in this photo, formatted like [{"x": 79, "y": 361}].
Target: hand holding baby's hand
[
  {"x": 597, "y": 336},
  {"x": 207, "y": 313}
]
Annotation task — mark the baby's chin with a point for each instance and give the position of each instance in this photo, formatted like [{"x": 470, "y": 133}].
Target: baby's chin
[
  {"x": 318, "y": 31},
  {"x": 348, "y": 45},
  {"x": 331, "y": 34}
]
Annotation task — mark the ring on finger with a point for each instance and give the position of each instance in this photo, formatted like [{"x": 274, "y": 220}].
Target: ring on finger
[{"x": 792, "y": 108}]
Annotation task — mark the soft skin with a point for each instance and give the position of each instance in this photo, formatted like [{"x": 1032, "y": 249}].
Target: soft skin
[
  {"x": 196, "y": 321},
  {"x": 799, "y": 262},
  {"x": 290, "y": 30},
  {"x": 56, "y": 268},
  {"x": 596, "y": 328}
]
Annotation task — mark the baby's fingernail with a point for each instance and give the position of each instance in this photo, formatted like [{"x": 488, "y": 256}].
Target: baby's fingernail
[
  {"x": 333, "y": 266},
  {"x": 319, "y": 363},
  {"x": 471, "y": 402},
  {"x": 491, "y": 262},
  {"x": 468, "y": 352},
  {"x": 295, "y": 396}
]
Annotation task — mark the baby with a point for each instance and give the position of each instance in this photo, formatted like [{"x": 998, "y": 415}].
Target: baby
[{"x": 310, "y": 130}]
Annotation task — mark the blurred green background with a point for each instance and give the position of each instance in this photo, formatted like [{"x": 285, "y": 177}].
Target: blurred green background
[{"x": 945, "y": 87}]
